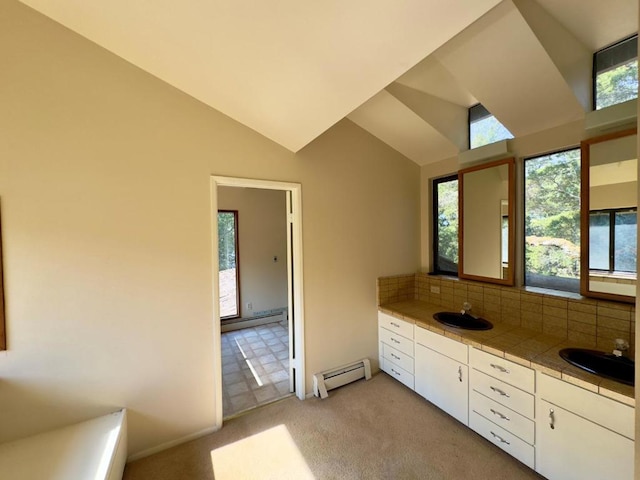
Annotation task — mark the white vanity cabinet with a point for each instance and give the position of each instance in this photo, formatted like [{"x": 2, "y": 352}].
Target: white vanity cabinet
[
  {"x": 581, "y": 434},
  {"x": 502, "y": 404},
  {"x": 441, "y": 373},
  {"x": 395, "y": 348}
]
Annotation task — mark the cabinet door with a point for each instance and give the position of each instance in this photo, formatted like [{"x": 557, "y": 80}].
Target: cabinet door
[
  {"x": 576, "y": 448},
  {"x": 442, "y": 381}
]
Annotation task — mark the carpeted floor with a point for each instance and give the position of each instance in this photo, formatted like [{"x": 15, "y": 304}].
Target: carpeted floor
[{"x": 374, "y": 429}]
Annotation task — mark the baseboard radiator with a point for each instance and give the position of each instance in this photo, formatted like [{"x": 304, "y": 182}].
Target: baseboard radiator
[{"x": 337, "y": 377}]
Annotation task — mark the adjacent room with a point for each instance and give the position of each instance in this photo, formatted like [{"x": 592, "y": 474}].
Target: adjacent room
[{"x": 208, "y": 209}]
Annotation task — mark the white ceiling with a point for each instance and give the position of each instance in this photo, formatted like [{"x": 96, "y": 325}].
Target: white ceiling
[{"x": 404, "y": 71}]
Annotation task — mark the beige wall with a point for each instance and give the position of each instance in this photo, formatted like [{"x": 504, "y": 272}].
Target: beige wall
[
  {"x": 262, "y": 225},
  {"x": 106, "y": 223}
]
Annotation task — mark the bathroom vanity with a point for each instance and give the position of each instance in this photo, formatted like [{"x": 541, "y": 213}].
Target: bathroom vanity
[{"x": 510, "y": 386}]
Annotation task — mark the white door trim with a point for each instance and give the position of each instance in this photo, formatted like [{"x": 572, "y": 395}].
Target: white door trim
[{"x": 296, "y": 288}]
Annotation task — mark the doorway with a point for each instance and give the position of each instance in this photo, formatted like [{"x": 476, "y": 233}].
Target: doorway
[{"x": 275, "y": 333}]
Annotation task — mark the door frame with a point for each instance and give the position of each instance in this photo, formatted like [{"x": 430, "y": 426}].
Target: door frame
[{"x": 295, "y": 287}]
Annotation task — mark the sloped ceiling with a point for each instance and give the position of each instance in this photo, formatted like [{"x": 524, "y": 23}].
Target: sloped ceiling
[
  {"x": 404, "y": 71},
  {"x": 289, "y": 69}
]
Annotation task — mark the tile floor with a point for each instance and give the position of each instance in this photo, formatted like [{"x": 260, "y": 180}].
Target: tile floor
[{"x": 255, "y": 367}]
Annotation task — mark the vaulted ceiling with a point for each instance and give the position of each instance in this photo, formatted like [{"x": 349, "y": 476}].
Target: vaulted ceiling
[{"x": 404, "y": 71}]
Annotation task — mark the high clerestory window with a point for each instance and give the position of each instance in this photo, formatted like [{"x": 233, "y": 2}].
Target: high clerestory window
[
  {"x": 484, "y": 128},
  {"x": 615, "y": 73}
]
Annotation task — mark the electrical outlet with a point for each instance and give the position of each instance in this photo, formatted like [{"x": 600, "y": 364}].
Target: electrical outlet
[
  {"x": 435, "y": 289},
  {"x": 249, "y": 306}
]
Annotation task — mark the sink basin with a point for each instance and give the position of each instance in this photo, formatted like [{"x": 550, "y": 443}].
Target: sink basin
[
  {"x": 462, "y": 320},
  {"x": 604, "y": 364}
]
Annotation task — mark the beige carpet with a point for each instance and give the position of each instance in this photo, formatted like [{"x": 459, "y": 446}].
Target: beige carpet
[{"x": 374, "y": 429}]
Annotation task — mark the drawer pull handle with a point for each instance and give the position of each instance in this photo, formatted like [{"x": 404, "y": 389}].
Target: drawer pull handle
[
  {"x": 397, "y": 373},
  {"x": 500, "y": 392},
  {"x": 393, "y": 324},
  {"x": 394, "y": 340},
  {"x": 498, "y": 414},
  {"x": 460, "y": 373},
  {"x": 552, "y": 420},
  {"x": 499, "y": 438},
  {"x": 500, "y": 368},
  {"x": 395, "y": 356}
]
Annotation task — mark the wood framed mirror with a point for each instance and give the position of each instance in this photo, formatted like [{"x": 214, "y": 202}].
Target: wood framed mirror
[
  {"x": 608, "y": 216},
  {"x": 486, "y": 210}
]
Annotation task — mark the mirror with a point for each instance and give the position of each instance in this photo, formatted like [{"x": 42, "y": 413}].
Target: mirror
[
  {"x": 608, "y": 216},
  {"x": 486, "y": 212}
]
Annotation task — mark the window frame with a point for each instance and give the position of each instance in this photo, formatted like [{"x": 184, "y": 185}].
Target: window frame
[{"x": 434, "y": 223}]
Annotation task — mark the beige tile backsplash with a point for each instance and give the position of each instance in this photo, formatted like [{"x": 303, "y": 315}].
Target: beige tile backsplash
[{"x": 587, "y": 322}]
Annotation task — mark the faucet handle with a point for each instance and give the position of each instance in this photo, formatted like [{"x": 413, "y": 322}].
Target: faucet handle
[
  {"x": 466, "y": 307},
  {"x": 622, "y": 344}
]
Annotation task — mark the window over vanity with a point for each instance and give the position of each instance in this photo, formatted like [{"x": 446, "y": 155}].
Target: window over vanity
[
  {"x": 445, "y": 225},
  {"x": 552, "y": 220}
]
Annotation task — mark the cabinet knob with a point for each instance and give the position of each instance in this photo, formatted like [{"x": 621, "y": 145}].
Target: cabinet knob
[
  {"x": 551, "y": 419},
  {"x": 460, "y": 373}
]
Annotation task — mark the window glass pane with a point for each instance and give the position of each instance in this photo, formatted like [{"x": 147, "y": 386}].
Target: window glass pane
[
  {"x": 446, "y": 226},
  {"x": 484, "y": 128},
  {"x": 599, "y": 240},
  {"x": 617, "y": 85},
  {"x": 616, "y": 73},
  {"x": 552, "y": 221},
  {"x": 625, "y": 252},
  {"x": 227, "y": 258}
]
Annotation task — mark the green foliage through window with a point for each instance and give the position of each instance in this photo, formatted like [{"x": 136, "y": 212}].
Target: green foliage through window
[
  {"x": 615, "y": 71},
  {"x": 484, "y": 128},
  {"x": 445, "y": 225},
  {"x": 552, "y": 220}
]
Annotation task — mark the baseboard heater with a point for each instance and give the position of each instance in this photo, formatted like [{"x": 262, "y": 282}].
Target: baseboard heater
[{"x": 337, "y": 377}]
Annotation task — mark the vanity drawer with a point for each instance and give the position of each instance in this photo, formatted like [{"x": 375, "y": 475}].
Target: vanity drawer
[
  {"x": 396, "y": 325},
  {"x": 401, "y": 359},
  {"x": 503, "y": 393},
  {"x": 503, "y": 369},
  {"x": 503, "y": 439},
  {"x": 502, "y": 416},
  {"x": 396, "y": 341},
  {"x": 396, "y": 372},
  {"x": 441, "y": 344}
]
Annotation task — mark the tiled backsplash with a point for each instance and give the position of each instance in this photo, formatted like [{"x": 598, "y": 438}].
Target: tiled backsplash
[{"x": 585, "y": 321}]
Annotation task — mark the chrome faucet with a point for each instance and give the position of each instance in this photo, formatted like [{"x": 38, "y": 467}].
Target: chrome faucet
[{"x": 466, "y": 308}]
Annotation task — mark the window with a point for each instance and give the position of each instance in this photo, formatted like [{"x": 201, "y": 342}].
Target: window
[
  {"x": 612, "y": 240},
  {"x": 484, "y": 128},
  {"x": 228, "y": 272},
  {"x": 445, "y": 225},
  {"x": 615, "y": 73},
  {"x": 552, "y": 220}
]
